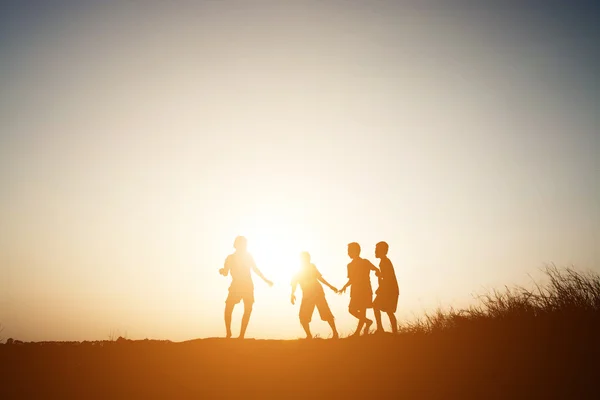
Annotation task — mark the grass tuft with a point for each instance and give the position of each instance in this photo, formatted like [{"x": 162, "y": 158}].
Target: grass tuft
[{"x": 567, "y": 298}]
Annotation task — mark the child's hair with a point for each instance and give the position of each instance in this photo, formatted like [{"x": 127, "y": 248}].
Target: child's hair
[
  {"x": 305, "y": 256},
  {"x": 354, "y": 248},
  {"x": 240, "y": 243},
  {"x": 383, "y": 246}
]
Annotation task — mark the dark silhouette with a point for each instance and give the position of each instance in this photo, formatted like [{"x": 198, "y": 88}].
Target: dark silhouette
[
  {"x": 361, "y": 293},
  {"x": 387, "y": 291},
  {"x": 309, "y": 278},
  {"x": 513, "y": 343},
  {"x": 240, "y": 264}
]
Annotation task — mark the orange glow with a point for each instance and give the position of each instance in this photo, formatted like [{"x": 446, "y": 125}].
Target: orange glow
[{"x": 138, "y": 139}]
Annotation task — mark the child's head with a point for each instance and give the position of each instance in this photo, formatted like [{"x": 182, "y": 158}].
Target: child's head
[
  {"x": 305, "y": 257},
  {"x": 240, "y": 243},
  {"x": 353, "y": 250},
  {"x": 381, "y": 249}
]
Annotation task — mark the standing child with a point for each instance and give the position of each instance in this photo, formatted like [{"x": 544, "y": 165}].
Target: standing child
[
  {"x": 387, "y": 292},
  {"x": 240, "y": 265},
  {"x": 313, "y": 295},
  {"x": 361, "y": 293}
]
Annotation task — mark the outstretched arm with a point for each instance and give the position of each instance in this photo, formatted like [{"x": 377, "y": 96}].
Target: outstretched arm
[
  {"x": 321, "y": 279},
  {"x": 343, "y": 289},
  {"x": 260, "y": 274},
  {"x": 374, "y": 268}
]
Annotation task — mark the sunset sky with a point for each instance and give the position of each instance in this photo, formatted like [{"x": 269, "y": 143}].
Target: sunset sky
[{"x": 138, "y": 138}]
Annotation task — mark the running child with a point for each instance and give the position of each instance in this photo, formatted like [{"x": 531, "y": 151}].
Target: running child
[{"x": 361, "y": 292}]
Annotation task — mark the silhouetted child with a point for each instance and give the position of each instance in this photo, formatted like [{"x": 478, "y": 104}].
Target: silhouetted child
[
  {"x": 313, "y": 295},
  {"x": 361, "y": 293},
  {"x": 240, "y": 264},
  {"x": 387, "y": 292}
]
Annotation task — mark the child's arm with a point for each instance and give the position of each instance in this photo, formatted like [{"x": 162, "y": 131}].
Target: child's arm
[
  {"x": 343, "y": 289},
  {"x": 260, "y": 274},
  {"x": 321, "y": 279},
  {"x": 225, "y": 270},
  {"x": 374, "y": 268},
  {"x": 294, "y": 285}
]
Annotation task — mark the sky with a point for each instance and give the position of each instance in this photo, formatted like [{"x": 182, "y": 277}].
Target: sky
[{"x": 137, "y": 139}]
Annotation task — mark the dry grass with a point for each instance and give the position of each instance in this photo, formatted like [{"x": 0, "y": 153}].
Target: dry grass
[{"x": 568, "y": 298}]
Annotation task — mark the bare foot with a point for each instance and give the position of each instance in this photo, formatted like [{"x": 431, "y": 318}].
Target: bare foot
[
  {"x": 335, "y": 335},
  {"x": 228, "y": 336}
]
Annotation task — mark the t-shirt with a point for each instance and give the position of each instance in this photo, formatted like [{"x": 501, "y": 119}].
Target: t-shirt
[
  {"x": 388, "y": 284},
  {"x": 308, "y": 278},
  {"x": 359, "y": 273},
  {"x": 240, "y": 264}
]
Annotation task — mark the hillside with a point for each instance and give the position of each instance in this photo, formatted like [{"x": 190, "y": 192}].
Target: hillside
[
  {"x": 517, "y": 344},
  {"x": 409, "y": 366}
]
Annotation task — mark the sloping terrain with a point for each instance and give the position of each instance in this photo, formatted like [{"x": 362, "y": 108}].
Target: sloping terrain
[{"x": 517, "y": 344}]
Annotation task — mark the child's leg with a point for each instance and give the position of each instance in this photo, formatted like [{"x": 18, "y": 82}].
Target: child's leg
[
  {"x": 245, "y": 318},
  {"x": 368, "y": 323},
  {"x": 361, "y": 320},
  {"x": 393, "y": 322},
  {"x": 334, "y": 331},
  {"x": 307, "y": 308},
  {"x": 306, "y": 326},
  {"x": 377, "y": 313},
  {"x": 327, "y": 315},
  {"x": 228, "y": 312}
]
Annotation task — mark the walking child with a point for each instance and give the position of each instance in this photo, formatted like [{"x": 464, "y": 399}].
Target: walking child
[
  {"x": 361, "y": 292},
  {"x": 309, "y": 278},
  {"x": 387, "y": 291}
]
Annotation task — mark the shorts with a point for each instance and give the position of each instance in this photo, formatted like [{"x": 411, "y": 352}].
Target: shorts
[
  {"x": 386, "y": 302},
  {"x": 361, "y": 301},
  {"x": 307, "y": 307},
  {"x": 235, "y": 296}
]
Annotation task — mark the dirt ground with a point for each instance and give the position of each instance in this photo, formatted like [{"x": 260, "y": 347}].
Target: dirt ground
[{"x": 442, "y": 366}]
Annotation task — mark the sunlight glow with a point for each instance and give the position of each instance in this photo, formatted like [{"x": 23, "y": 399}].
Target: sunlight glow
[
  {"x": 138, "y": 139},
  {"x": 275, "y": 249}
]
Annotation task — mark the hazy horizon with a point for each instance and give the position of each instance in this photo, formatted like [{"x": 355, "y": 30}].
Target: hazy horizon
[{"x": 138, "y": 139}]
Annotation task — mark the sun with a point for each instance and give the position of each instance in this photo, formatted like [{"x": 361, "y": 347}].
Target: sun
[
  {"x": 275, "y": 248},
  {"x": 276, "y": 256}
]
